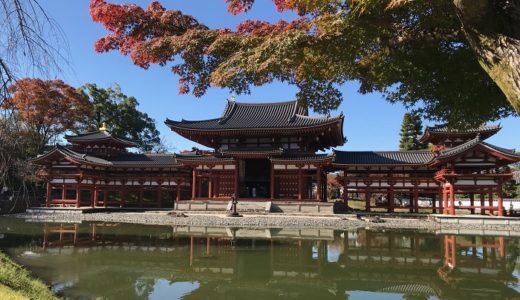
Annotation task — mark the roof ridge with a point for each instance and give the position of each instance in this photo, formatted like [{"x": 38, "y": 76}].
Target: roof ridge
[
  {"x": 228, "y": 112},
  {"x": 265, "y": 103},
  {"x": 384, "y": 151}
]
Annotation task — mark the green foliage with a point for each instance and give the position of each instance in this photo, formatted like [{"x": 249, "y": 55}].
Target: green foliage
[
  {"x": 510, "y": 189},
  {"x": 19, "y": 280},
  {"x": 413, "y": 52},
  {"x": 411, "y": 128},
  {"x": 121, "y": 115}
]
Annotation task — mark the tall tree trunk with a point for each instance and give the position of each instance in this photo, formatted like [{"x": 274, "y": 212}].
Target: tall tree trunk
[{"x": 492, "y": 28}]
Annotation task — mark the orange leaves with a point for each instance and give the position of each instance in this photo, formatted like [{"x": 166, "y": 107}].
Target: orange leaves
[
  {"x": 47, "y": 105},
  {"x": 262, "y": 28}
]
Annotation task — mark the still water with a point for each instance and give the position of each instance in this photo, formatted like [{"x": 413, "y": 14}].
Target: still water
[{"x": 123, "y": 261}]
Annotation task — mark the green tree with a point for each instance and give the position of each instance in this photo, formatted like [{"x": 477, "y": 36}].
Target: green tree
[
  {"x": 121, "y": 115},
  {"x": 411, "y": 128},
  {"x": 509, "y": 189},
  {"x": 450, "y": 60}
]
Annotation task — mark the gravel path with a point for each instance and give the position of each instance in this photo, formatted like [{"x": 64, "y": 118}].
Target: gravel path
[{"x": 339, "y": 222}]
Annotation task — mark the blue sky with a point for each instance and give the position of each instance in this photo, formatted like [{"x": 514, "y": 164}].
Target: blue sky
[{"x": 371, "y": 123}]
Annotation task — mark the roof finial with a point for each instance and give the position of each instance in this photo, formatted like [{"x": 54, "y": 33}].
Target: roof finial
[
  {"x": 103, "y": 127},
  {"x": 231, "y": 97}
]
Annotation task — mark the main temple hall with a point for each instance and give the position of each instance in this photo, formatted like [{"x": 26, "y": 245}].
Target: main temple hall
[{"x": 277, "y": 152}]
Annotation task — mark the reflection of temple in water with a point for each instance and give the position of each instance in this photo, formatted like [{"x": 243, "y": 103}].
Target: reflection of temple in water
[{"x": 276, "y": 263}]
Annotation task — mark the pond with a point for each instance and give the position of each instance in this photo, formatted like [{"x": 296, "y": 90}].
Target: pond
[{"x": 125, "y": 261}]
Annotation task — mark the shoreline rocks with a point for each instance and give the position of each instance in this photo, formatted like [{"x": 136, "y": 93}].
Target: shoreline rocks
[{"x": 336, "y": 222}]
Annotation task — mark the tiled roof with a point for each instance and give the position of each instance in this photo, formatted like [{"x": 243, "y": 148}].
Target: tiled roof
[
  {"x": 205, "y": 158},
  {"x": 417, "y": 157},
  {"x": 485, "y": 131},
  {"x": 99, "y": 136},
  {"x": 126, "y": 160},
  {"x": 445, "y": 128},
  {"x": 144, "y": 160},
  {"x": 257, "y": 115},
  {"x": 72, "y": 154},
  {"x": 450, "y": 152}
]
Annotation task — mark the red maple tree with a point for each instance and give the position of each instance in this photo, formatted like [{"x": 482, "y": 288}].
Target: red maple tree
[{"x": 48, "y": 107}]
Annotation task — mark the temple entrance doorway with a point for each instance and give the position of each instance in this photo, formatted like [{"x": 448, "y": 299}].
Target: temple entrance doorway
[{"x": 254, "y": 178}]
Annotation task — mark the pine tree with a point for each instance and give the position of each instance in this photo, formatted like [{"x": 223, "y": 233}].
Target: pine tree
[{"x": 411, "y": 128}]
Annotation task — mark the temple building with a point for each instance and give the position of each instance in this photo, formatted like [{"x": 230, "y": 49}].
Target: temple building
[
  {"x": 261, "y": 150},
  {"x": 276, "y": 152}
]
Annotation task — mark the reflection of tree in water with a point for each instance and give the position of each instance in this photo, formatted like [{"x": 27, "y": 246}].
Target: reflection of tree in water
[
  {"x": 415, "y": 297},
  {"x": 144, "y": 287}
]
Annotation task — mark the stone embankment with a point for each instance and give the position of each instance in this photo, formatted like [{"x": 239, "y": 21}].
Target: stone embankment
[{"x": 338, "y": 222}]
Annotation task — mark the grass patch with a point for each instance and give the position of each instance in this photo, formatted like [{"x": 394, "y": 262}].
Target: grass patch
[{"x": 17, "y": 283}]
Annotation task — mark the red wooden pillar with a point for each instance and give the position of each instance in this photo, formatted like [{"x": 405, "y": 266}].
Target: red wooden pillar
[
  {"x": 434, "y": 198},
  {"x": 500, "y": 200},
  {"x": 482, "y": 211},
  {"x": 490, "y": 199},
  {"x": 77, "y": 196},
  {"x": 300, "y": 183},
  {"x": 472, "y": 203},
  {"x": 441, "y": 202},
  {"x": 199, "y": 184},
  {"x": 236, "y": 178},
  {"x": 94, "y": 197},
  {"x": 210, "y": 183},
  {"x": 452, "y": 199},
  {"x": 272, "y": 181},
  {"x": 416, "y": 200},
  {"x": 178, "y": 193},
  {"x": 48, "y": 195},
  {"x": 318, "y": 183},
  {"x": 391, "y": 200},
  {"x": 345, "y": 191},
  {"x": 63, "y": 195},
  {"x": 193, "y": 183},
  {"x": 216, "y": 186},
  {"x": 368, "y": 195},
  {"x": 444, "y": 199}
]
